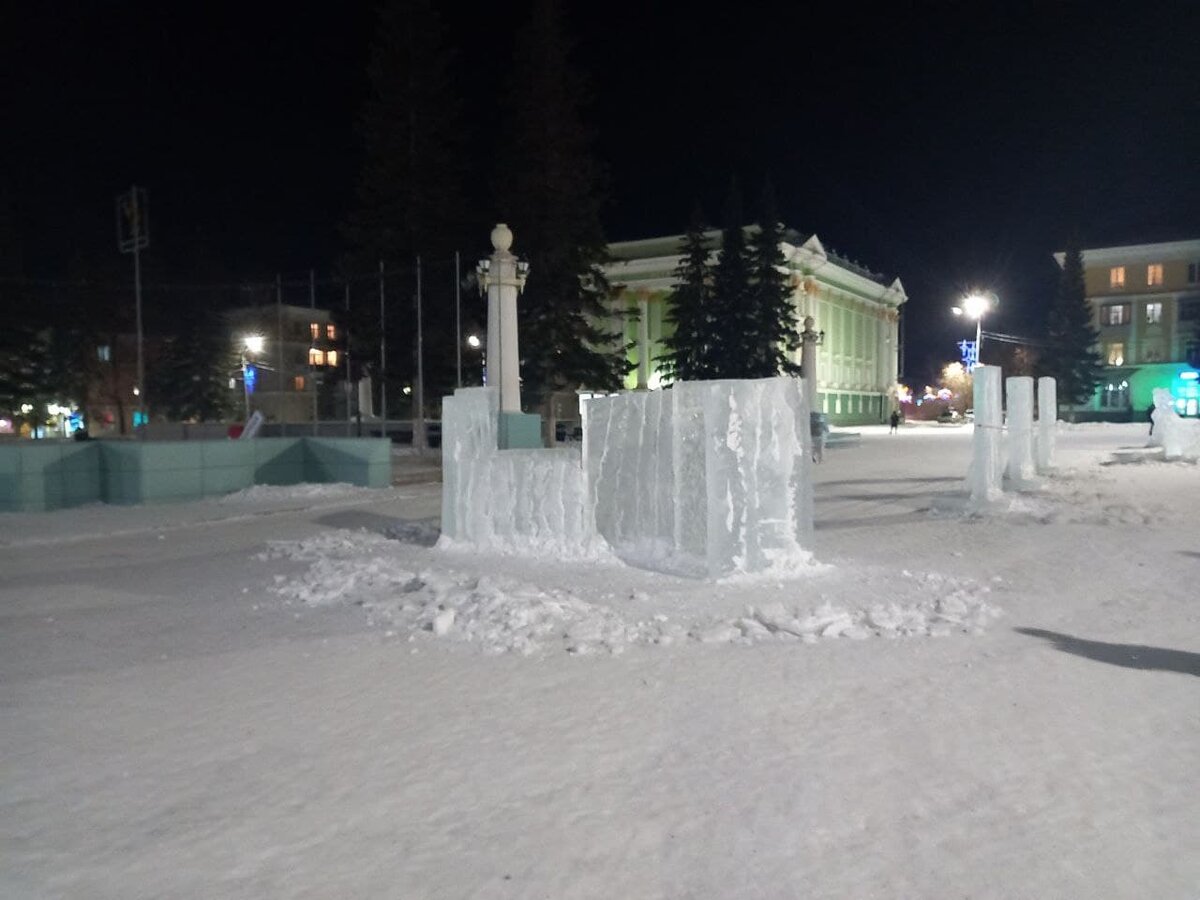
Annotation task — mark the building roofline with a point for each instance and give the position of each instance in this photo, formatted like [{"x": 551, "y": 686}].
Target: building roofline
[{"x": 1136, "y": 251}]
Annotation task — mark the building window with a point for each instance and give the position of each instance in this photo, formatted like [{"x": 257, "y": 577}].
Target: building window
[
  {"x": 331, "y": 357},
  {"x": 1154, "y": 274},
  {"x": 1193, "y": 273},
  {"x": 1189, "y": 309},
  {"x": 1153, "y": 313},
  {"x": 104, "y": 353},
  {"x": 1114, "y": 314},
  {"x": 1116, "y": 354},
  {"x": 315, "y": 357},
  {"x": 298, "y": 383},
  {"x": 1115, "y": 396},
  {"x": 330, "y": 332},
  {"x": 1116, "y": 277},
  {"x": 314, "y": 328}
]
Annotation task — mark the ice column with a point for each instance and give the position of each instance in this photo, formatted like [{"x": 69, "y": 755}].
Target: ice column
[
  {"x": 1047, "y": 421},
  {"x": 1020, "y": 428},
  {"x": 1180, "y": 437},
  {"x": 983, "y": 477}
]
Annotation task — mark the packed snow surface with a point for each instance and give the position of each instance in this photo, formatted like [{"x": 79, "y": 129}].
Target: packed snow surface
[{"x": 301, "y": 695}]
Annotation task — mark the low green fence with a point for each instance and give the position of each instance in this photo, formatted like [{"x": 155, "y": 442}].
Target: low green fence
[{"x": 43, "y": 475}]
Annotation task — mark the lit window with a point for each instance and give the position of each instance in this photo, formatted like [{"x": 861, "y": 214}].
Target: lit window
[
  {"x": 315, "y": 357},
  {"x": 1153, "y": 313},
  {"x": 330, "y": 332},
  {"x": 314, "y": 329},
  {"x": 1113, "y": 315},
  {"x": 331, "y": 358},
  {"x": 1154, "y": 274},
  {"x": 298, "y": 382},
  {"x": 1116, "y": 354},
  {"x": 1116, "y": 277},
  {"x": 104, "y": 353}
]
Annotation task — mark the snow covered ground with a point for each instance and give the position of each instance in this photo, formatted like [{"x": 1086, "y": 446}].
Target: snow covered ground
[{"x": 290, "y": 693}]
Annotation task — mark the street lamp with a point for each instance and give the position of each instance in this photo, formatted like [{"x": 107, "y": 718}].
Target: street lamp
[
  {"x": 974, "y": 306},
  {"x": 475, "y": 343},
  {"x": 252, "y": 344}
]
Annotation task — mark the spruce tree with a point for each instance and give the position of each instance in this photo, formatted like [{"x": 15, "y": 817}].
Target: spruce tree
[
  {"x": 548, "y": 190},
  {"x": 732, "y": 349},
  {"x": 411, "y": 193},
  {"x": 772, "y": 312},
  {"x": 1073, "y": 358},
  {"x": 689, "y": 308},
  {"x": 190, "y": 380}
]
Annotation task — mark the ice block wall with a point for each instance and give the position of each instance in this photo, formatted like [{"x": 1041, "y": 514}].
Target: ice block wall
[
  {"x": 983, "y": 478},
  {"x": 1047, "y": 423},
  {"x": 523, "y": 500},
  {"x": 1019, "y": 389},
  {"x": 708, "y": 477}
]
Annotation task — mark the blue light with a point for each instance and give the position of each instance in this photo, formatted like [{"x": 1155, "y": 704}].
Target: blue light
[{"x": 251, "y": 375}]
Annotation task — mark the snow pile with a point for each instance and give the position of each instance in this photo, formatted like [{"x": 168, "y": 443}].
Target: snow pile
[
  {"x": 276, "y": 493},
  {"x": 507, "y": 615}
]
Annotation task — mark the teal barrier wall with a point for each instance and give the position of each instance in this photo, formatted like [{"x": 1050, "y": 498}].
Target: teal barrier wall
[{"x": 45, "y": 475}]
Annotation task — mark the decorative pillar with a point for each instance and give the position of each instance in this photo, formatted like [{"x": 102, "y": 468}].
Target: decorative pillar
[
  {"x": 1047, "y": 421},
  {"x": 643, "y": 340},
  {"x": 984, "y": 475},
  {"x": 1020, "y": 429},
  {"x": 503, "y": 276},
  {"x": 810, "y": 338}
]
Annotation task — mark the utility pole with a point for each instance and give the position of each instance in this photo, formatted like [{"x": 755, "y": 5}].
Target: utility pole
[
  {"x": 419, "y": 420},
  {"x": 457, "y": 319},
  {"x": 133, "y": 236},
  {"x": 279, "y": 379},
  {"x": 312, "y": 302},
  {"x": 382, "y": 355},
  {"x": 349, "y": 383}
]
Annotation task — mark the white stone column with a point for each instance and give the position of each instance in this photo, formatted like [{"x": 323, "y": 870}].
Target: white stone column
[
  {"x": 504, "y": 280},
  {"x": 643, "y": 340},
  {"x": 1047, "y": 423},
  {"x": 1020, "y": 428},
  {"x": 809, "y": 339}
]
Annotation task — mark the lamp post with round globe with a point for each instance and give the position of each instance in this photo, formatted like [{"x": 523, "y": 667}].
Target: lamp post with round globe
[{"x": 974, "y": 306}]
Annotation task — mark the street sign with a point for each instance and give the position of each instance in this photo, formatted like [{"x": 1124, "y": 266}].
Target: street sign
[{"x": 133, "y": 221}]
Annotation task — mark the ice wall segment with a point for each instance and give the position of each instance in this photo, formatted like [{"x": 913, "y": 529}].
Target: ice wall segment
[
  {"x": 1020, "y": 428},
  {"x": 44, "y": 475},
  {"x": 708, "y": 478},
  {"x": 508, "y": 500},
  {"x": 1047, "y": 421}
]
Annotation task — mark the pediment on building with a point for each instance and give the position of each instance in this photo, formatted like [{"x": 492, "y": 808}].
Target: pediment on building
[{"x": 814, "y": 246}]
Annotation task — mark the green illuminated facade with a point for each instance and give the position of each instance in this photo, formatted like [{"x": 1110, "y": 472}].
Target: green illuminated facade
[{"x": 858, "y": 360}]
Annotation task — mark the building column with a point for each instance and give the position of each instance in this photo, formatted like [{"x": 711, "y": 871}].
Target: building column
[{"x": 643, "y": 342}]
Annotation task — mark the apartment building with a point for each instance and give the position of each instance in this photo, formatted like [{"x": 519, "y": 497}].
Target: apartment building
[{"x": 1145, "y": 302}]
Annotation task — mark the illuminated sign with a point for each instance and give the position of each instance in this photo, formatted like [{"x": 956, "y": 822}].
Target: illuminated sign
[{"x": 970, "y": 354}]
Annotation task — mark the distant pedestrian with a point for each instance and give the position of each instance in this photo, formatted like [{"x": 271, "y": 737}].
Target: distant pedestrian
[
  {"x": 1150, "y": 416},
  {"x": 818, "y": 429},
  {"x": 895, "y": 421}
]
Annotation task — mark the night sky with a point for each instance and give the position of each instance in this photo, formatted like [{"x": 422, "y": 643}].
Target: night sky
[{"x": 954, "y": 145}]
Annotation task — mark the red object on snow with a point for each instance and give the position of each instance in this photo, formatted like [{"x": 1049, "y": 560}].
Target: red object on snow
[{"x": 235, "y": 430}]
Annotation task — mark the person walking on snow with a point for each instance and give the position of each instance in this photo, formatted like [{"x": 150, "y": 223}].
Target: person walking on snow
[
  {"x": 818, "y": 428},
  {"x": 895, "y": 421}
]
